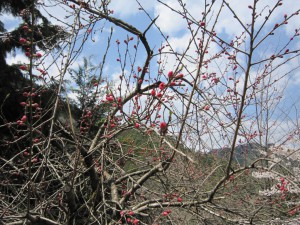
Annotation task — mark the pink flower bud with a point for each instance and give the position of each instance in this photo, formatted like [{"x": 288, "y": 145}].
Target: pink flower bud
[
  {"x": 35, "y": 105},
  {"x": 35, "y": 160},
  {"x": 165, "y": 213},
  {"x": 24, "y": 119},
  {"x": 23, "y": 104}
]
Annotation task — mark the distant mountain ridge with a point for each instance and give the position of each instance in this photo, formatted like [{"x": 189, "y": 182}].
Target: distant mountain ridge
[{"x": 243, "y": 154}]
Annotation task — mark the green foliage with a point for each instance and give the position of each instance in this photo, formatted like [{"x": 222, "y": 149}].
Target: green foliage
[
  {"x": 45, "y": 37},
  {"x": 86, "y": 81}
]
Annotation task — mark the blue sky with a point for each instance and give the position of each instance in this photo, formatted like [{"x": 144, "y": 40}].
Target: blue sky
[{"x": 175, "y": 26}]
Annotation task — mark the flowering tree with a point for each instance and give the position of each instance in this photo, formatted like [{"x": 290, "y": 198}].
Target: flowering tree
[{"x": 173, "y": 107}]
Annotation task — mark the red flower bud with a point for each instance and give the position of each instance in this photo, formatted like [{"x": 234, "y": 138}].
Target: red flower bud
[
  {"x": 39, "y": 55},
  {"x": 23, "y": 67},
  {"x": 153, "y": 92},
  {"x": 162, "y": 86},
  {"x": 22, "y": 41},
  {"x": 206, "y": 107},
  {"x": 109, "y": 98},
  {"x": 179, "y": 76},
  {"x": 159, "y": 94},
  {"x": 163, "y": 126}
]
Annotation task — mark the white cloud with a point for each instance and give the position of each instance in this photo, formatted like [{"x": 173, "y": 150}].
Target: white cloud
[
  {"x": 129, "y": 7},
  {"x": 170, "y": 22},
  {"x": 18, "y": 58},
  {"x": 57, "y": 13},
  {"x": 8, "y": 18}
]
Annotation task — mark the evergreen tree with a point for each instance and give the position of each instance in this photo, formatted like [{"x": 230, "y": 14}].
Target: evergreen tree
[
  {"x": 45, "y": 36},
  {"x": 88, "y": 90},
  {"x": 85, "y": 80}
]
